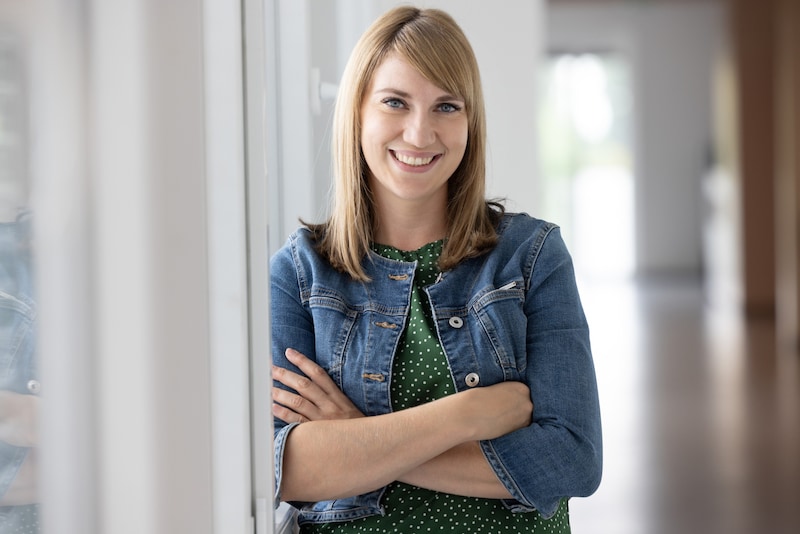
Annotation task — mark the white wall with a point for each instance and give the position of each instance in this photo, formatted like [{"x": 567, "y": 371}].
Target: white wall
[{"x": 671, "y": 46}]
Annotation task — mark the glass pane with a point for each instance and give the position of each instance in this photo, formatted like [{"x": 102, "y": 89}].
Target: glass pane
[{"x": 19, "y": 385}]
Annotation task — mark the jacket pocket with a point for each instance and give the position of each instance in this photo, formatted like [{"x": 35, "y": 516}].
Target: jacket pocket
[
  {"x": 333, "y": 320},
  {"x": 503, "y": 324}
]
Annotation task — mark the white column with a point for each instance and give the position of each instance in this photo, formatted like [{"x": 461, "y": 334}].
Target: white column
[{"x": 139, "y": 201}]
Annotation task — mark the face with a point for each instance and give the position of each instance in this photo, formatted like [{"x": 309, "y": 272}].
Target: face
[{"x": 413, "y": 135}]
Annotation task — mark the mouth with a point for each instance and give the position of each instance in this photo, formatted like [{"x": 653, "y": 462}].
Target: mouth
[{"x": 414, "y": 161}]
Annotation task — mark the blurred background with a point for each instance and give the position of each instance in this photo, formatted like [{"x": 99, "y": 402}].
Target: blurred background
[{"x": 154, "y": 154}]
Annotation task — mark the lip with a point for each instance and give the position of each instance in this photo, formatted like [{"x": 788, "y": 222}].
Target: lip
[{"x": 416, "y": 155}]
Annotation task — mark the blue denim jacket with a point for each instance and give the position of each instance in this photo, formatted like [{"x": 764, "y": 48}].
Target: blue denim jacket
[
  {"x": 17, "y": 331},
  {"x": 511, "y": 314}
]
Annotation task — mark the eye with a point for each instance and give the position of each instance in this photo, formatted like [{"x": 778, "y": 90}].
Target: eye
[
  {"x": 393, "y": 102},
  {"x": 447, "y": 107}
]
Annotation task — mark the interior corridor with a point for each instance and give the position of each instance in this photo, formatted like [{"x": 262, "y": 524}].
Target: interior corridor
[{"x": 701, "y": 416}]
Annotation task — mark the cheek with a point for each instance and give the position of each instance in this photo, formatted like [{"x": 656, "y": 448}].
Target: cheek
[
  {"x": 370, "y": 135},
  {"x": 458, "y": 131},
  {"x": 365, "y": 136},
  {"x": 460, "y": 140},
  {"x": 368, "y": 145}
]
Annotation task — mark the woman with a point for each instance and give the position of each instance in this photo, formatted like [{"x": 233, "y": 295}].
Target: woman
[
  {"x": 19, "y": 381},
  {"x": 432, "y": 367}
]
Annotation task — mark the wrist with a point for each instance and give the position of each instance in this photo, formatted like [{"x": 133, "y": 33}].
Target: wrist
[{"x": 459, "y": 418}]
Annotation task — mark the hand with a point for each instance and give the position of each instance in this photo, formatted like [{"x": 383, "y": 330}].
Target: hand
[
  {"x": 496, "y": 410},
  {"x": 317, "y": 396}
]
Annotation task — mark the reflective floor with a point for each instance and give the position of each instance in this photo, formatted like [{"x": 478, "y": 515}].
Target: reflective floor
[{"x": 701, "y": 416}]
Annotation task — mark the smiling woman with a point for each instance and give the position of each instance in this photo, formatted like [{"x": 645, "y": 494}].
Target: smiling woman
[
  {"x": 449, "y": 76},
  {"x": 432, "y": 361},
  {"x": 413, "y": 136}
]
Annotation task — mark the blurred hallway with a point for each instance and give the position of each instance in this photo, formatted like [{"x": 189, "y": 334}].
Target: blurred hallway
[{"x": 701, "y": 416}]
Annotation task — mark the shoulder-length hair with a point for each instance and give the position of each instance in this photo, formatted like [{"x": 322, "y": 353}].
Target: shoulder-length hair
[{"x": 432, "y": 42}]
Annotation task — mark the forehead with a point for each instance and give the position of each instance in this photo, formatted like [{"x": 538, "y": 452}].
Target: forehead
[{"x": 395, "y": 72}]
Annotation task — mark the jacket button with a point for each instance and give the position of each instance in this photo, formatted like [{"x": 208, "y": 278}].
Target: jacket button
[
  {"x": 34, "y": 386},
  {"x": 472, "y": 380},
  {"x": 456, "y": 322}
]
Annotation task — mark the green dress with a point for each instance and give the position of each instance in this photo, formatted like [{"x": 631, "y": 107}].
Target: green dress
[{"x": 420, "y": 374}]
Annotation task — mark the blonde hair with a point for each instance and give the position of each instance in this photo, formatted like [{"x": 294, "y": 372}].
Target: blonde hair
[{"x": 432, "y": 42}]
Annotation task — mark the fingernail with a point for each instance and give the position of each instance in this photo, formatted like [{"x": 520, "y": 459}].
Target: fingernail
[{"x": 291, "y": 353}]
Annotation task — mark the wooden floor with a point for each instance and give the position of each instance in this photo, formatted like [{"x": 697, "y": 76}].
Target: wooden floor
[{"x": 701, "y": 416}]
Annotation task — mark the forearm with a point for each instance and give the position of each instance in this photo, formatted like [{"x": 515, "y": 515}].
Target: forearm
[
  {"x": 334, "y": 459},
  {"x": 462, "y": 470},
  {"x": 336, "y": 452},
  {"x": 19, "y": 415}
]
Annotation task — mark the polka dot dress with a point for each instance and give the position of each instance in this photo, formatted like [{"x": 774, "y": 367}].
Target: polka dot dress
[
  {"x": 420, "y": 374},
  {"x": 19, "y": 519}
]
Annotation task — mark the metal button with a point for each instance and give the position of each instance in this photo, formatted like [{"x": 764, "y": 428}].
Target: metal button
[
  {"x": 34, "y": 386},
  {"x": 456, "y": 322},
  {"x": 472, "y": 379}
]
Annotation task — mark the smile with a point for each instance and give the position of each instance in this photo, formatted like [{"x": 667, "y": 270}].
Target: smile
[{"x": 413, "y": 161}]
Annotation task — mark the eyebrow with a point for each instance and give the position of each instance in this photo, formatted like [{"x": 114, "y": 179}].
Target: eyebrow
[{"x": 403, "y": 94}]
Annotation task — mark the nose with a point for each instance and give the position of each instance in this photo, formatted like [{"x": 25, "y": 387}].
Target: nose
[{"x": 419, "y": 130}]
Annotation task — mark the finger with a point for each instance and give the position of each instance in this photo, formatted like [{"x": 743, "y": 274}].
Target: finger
[
  {"x": 316, "y": 386},
  {"x": 286, "y": 415},
  {"x": 295, "y": 381},
  {"x": 314, "y": 372},
  {"x": 296, "y": 403},
  {"x": 311, "y": 400}
]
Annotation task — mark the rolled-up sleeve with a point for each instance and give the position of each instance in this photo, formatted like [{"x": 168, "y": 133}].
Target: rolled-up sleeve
[
  {"x": 279, "y": 446},
  {"x": 560, "y": 454},
  {"x": 291, "y": 326}
]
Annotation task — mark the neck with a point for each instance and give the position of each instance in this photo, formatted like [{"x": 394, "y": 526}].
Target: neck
[{"x": 410, "y": 229}]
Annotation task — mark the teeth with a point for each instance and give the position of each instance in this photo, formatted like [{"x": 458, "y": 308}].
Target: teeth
[{"x": 416, "y": 162}]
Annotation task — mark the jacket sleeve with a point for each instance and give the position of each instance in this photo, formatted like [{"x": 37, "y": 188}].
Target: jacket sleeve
[
  {"x": 560, "y": 454},
  {"x": 291, "y": 326}
]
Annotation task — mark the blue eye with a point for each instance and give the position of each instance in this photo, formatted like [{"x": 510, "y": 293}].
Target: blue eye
[
  {"x": 448, "y": 107},
  {"x": 393, "y": 102}
]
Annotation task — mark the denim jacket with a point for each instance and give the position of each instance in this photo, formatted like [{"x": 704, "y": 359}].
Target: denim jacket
[
  {"x": 510, "y": 314},
  {"x": 17, "y": 332}
]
